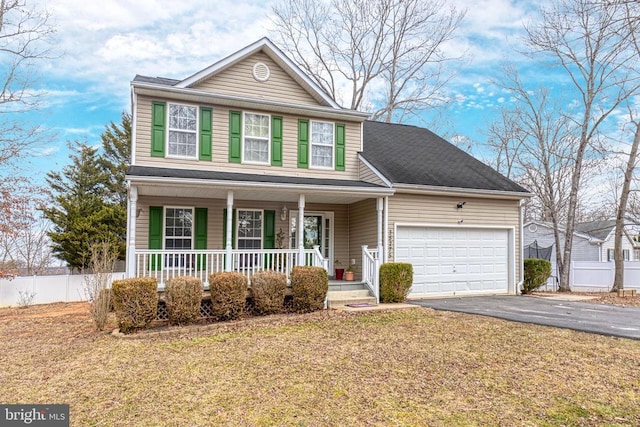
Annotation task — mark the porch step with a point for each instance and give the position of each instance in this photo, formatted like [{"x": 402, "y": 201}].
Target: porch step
[
  {"x": 342, "y": 298},
  {"x": 342, "y": 285}
]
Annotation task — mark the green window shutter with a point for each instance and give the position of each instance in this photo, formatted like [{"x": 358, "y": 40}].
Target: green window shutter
[
  {"x": 157, "y": 128},
  {"x": 200, "y": 235},
  {"x": 200, "y": 229},
  {"x": 276, "y": 141},
  {"x": 155, "y": 235},
  {"x": 205, "y": 133},
  {"x": 269, "y": 235},
  {"x": 224, "y": 229},
  {"x": 303, "y": 143},
  {"x": 235, "y": 136},
  {"x": 340, "y": 142}
]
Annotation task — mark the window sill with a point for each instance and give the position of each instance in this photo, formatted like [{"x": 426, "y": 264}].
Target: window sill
[{"x": 169, "y": 156}]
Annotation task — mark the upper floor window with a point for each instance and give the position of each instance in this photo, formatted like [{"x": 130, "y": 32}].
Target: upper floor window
[
  {"x": 256, "y": 138},
  {"x": 322, "y": 149},
  {"x": 183, "y": 128}
]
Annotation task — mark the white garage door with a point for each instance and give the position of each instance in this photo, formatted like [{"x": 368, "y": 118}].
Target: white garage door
[{"x": 455, "y": 261}]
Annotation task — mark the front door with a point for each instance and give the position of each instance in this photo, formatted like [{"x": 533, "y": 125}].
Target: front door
[{"x": 317, "y": 229}]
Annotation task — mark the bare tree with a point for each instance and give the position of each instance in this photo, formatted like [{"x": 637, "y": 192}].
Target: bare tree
[
  {"x": 630, "y": 20},
  {"x": 388, "y": 54},
  {"x": 584, "y": 39},
  {"x": 24, "y": 31}
]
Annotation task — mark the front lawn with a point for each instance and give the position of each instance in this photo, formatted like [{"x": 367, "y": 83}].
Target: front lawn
[{"x": 409, "y": 367}]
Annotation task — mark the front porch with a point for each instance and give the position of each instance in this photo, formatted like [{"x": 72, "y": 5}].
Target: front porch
[{"x": 166, "y": 264}]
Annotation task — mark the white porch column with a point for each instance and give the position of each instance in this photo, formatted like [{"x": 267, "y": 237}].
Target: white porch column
[
  {"x": 228, "y": 237},
  {"x": 131, "y": 230},
  {"x": 300, "y": 229},
  {"x": 380, "y": 206}
]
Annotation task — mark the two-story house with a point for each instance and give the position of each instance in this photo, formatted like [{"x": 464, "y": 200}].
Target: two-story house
[{"x": 248, "y": 165}]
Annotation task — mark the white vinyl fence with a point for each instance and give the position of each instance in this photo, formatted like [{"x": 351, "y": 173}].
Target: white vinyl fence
[
  {"x": 594, "y": 276},
  {"x": 46, "y": 289}
]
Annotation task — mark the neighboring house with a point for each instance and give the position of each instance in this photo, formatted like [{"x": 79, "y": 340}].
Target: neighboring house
[
  {"x": 248, "y": 165},
  {"x": 592, "y": 241}
]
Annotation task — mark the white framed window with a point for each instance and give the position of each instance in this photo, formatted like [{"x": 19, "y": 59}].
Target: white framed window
[
  {"x": 322, "y": 145},
  {"x": 178, "y": 234},
  {"x": 609, "y": 254},
  {"x": 183, "y": 130},
  {"x": 249, "y": 223},
  {"x": 257, "y": 131},
  {"x": 625, "y": 254}
]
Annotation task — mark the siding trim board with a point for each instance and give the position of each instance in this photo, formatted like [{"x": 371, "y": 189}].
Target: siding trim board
[{"x": 243, "y": 102}]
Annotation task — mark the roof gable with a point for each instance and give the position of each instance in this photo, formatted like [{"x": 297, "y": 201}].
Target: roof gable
[
  {"x": 412, "y": 155},
  {"x": 277, "y": 56}
]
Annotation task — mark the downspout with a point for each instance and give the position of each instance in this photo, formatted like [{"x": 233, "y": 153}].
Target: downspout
[
  {"x": 386, "y": 230},
  {"x": 134, "y": 121},
  {"x": 519, "y": 284}
]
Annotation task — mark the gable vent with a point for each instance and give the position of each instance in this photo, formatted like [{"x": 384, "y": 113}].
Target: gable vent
[{"x": 261, "y": 72}]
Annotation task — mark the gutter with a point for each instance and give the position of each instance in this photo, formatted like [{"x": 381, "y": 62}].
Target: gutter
[
  {"x": 381, "y": 191},
  {"x": 457, "y": 191}
]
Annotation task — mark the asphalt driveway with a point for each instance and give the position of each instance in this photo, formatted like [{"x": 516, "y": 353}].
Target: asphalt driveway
[{"x": 578, "y": 315}]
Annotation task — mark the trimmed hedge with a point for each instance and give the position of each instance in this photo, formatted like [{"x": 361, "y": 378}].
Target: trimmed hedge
[
  {"x": 309, "y": 286},
  {"x": 268, "y": 289},
  {"x": 536, "y": 273},
  {"x": 183, "y": 296},
  {"x": 396, "y": 279},
  {"x": 228, "y": 295},
  {"x": 135, "y": 302}
]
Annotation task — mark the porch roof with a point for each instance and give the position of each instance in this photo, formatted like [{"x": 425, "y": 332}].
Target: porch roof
[{"x": 155, "y": 181}]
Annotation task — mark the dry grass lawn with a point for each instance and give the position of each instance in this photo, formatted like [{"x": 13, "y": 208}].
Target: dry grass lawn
[{"x": 411, "y": 367}]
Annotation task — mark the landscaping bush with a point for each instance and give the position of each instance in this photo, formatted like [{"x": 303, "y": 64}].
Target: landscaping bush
[
  {"x": 268, "y": 289},
  {"x": 309, "y": 286},
  {"x": 396, "y": 279},
  {"x": 536, "y": 273},
  {"x": 228, "y": 295},
  {"x": 135, "y": 302},
  {"x": 183, "y": 296}
]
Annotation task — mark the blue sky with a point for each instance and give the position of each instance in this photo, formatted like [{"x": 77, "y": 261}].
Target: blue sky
[{"x": 101, "y": 46}]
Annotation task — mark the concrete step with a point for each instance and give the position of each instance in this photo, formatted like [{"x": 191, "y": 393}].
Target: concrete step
[
  {"x": 341, "y": 285},
  {"x": 356, "y": 293},
  {"x": 336, "y": 303}
]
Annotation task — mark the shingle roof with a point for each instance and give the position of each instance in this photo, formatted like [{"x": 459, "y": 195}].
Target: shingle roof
[
  {"x": 156, "y": 80},
  {"x": 407, "y": 154},
  {"x": 598, "y": 229},
  {"x": 149, "y": 171}
]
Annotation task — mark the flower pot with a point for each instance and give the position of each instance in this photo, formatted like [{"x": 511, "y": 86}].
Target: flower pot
[
  {"x": 349, "y": 275},
  {"x": 339, "y": 273}
]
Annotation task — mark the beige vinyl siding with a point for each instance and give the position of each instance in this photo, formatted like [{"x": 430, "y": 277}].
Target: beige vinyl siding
[
  {"x": 367, "y": 175},
  {"x": 363, "y": 230},
  {"x": 220, "y": 159},
  {"x": 411, "y": 208},
  {"x": 238, "y": 80}
]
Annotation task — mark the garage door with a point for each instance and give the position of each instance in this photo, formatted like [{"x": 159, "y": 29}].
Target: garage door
[{"x": 455, "y": 261}]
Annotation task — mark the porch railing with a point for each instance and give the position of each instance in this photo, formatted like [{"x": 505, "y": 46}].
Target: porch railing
[
  {"x": 165, "y": 264},
  {"x": 370, "y": 271}
]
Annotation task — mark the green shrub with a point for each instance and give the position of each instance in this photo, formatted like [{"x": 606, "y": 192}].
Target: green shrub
[
  {"x": 536, "y": 273},
  {"x": 268, "y": 289},
  {"x": 183, "y": 296},
  {"x": 228, "y": 294},
  {"x": 309, "y": 286},
  {"x": 135, "y": 302},
  {"x": 396, "y": 279}
]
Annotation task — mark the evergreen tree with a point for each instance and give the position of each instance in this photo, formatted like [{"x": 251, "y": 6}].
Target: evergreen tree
[
  {"x": 116, "y": 156},
  {"x": 82, "y": 211}
]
